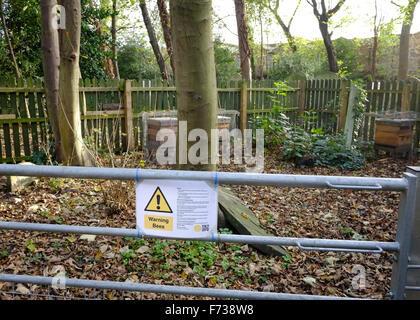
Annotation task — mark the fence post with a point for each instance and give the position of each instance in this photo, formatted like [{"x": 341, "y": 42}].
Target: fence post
[
  {"x": 84, "y": 113},
  {"x": 128, "y": 134},
  {"x": 405, "y": 99},
  {"x": 413, "y": 273},
  {"x": 301, "y": 96},
  {"x": 349, "y": 120},
  {"x": 344, "y": 101},
  {"x": 244, "y": 107},
  {"x": 407, "y": 237}
]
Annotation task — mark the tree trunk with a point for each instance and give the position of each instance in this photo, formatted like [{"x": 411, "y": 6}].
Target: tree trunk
[
  {"x": 374, "y": 55},
  {"x": 286, "y": 30},
  {"x": 166, "y": 27},
  {"x": 195, "y": 71},
  {"x": 51, "y": 66},
  {"x": 405, "y": 40},
  {"x": 114, "y": 39},
  {"x": 323, "y": 17},
  {"x": 290, "y": 38},
  {"x": 332, "y": 58},
  {"x": 153, "y": 41},
  {"x": 74, "y": 150},
  {"x": 9, "y": 42},
  {"x": 243, "y": 34}
]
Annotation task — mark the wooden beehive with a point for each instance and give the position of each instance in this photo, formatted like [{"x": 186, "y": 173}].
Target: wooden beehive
[
  {"x": 223, "y": 122},
  {"x": 394, "y": 133},
  {"x": 156, "y": 124},
  {"x": 153, "y": 127}
]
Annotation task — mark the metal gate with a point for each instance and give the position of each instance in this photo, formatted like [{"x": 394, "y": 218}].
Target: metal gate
[{"x": 405, "y": 281}]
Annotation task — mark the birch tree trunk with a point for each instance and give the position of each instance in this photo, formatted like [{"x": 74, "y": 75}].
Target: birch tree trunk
[
  {"x": 195, "y": 71},
  {"x": 51, "y": 66},
  {"x": 74, "y": 150}
]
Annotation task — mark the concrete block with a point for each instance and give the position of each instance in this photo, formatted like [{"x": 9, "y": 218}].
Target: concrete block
[{"x": 17, "y": 183}]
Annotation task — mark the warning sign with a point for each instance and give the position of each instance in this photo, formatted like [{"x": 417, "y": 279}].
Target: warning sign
[
  {"x": 158, "y": 203},
  {"x": 159, "y": 223},
  {"x": 176, "y": 209}
]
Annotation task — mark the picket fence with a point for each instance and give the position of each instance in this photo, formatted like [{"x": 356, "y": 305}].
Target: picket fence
[{"x": 106, "y": 105}]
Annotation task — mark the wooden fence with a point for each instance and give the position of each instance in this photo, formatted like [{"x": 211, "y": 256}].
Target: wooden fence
[{"x": 106, "y": 105}]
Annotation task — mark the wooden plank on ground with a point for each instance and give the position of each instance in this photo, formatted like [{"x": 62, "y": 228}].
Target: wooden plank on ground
[{"x": 244, "y": 220}]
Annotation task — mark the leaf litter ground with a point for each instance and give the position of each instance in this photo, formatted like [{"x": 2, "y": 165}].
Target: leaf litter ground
[{"x": 285, "y": 212}]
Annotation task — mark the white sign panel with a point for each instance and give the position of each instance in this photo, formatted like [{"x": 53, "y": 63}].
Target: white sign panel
[{"x": 176, "y": 209}]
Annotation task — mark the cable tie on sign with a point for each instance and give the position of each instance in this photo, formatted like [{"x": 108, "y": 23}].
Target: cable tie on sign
[
  {"x": 137, "y": 175},
  {"x": 212, "y": 237},
  {"x": 138, "y": 233},
  {"x": 215, "y": 181}
]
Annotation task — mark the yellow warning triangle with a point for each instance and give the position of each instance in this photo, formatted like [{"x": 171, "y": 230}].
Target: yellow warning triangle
[{"x": 158, "y": 203}]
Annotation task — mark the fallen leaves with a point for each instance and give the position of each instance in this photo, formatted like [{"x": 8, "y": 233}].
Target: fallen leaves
[
  {"x": 310, "y": 281},
  {"x": 286, "y": 212}
]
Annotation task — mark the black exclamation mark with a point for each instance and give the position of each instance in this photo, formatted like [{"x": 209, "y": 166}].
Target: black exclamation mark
[{"x": 158, "y": 202}]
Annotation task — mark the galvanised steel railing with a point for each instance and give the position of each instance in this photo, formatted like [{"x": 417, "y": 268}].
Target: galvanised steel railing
[{"x": 406, "y": 247}]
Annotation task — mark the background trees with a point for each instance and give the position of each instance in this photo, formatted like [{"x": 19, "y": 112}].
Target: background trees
[{"x": 113, "y": 33}]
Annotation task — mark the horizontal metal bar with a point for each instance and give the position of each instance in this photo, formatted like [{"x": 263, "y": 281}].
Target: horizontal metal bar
[
  {"x": 320, "y": 244},
  {"x": 378, "y": 250},
  {"x": 223, "y": 177},
  {"x": 365, "y": 187},
  {"x": 411, "y": 288},
  {"x": 140, "y": 287},
  {"x": 411, "y": 266}
]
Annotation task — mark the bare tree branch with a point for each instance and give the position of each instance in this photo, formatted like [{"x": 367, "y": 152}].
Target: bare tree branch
[{"x": 294, "y": 14}]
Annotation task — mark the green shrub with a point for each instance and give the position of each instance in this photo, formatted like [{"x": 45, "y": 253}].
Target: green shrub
[
  {"x": 297, "y": 144},
  {"x": 331, "y": 151},
  {"x": 294, "y": 143}
]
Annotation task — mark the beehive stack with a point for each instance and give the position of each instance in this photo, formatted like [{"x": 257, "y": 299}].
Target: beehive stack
[
  {"x": 156, "y": 124},
  {"x": 394, "y": 133}
]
